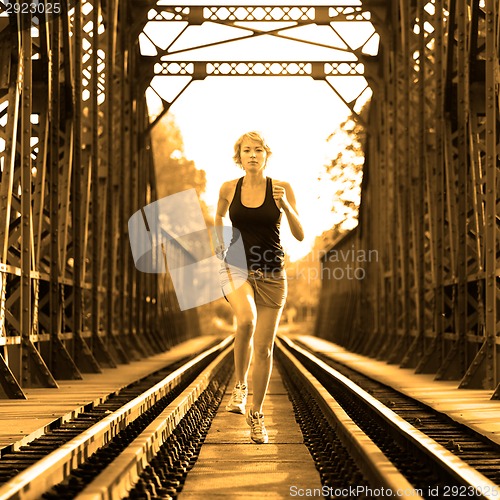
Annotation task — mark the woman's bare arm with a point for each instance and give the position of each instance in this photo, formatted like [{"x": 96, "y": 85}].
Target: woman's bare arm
[
  {"x": 222, "y": 207},
  {"x": 285, "y": 198}
]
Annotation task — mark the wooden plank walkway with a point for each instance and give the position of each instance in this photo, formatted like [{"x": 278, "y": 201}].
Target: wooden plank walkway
[
  {"x": 230, "y": 465},
  {"x": 22, "y": 421}
]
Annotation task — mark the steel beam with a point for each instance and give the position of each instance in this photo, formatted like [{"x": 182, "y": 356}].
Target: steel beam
[
  {"x": 63, "y": 310},
  {"x": 440, "y": 247},
  {"x": 319, "y": 14}
]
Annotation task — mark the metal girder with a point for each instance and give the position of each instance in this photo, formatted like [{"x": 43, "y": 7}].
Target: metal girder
[
  {"x": 432, "y": 196},
  {"x": 200, "y": 70},
  {"x": 319, "y": 14},
  {"x": 32, "y": 369},
  {"x": 318, "y": 70},
  {"x": 71, "y": 301},
  {"x": 79, "y": 348},
  {"x": 484, "y": 371},
  {"x": 177, "y": 55},
  {"x": 232, "y": 15}
]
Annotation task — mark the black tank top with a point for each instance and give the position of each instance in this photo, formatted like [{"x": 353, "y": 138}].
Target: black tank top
[{"x": 260, "y": 230}]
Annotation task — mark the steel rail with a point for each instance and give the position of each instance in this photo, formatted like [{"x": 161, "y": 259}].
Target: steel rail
[
  {"x": 450, "y": 463},
  {"x": 371, "y": 460},
  {"x": 57, "y": 465},
  {"x": 123, "y": 473}
]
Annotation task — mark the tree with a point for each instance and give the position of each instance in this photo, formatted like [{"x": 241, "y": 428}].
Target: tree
[
  {"x": 346, "y": 171},
  {"x": 174, "y": 172}
]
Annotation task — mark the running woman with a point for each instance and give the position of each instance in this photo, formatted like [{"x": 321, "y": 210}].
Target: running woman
[{"x": 256, "y": 204}]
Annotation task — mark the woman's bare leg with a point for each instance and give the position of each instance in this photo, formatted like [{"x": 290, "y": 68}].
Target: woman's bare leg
[
  {"x": 243, "y": 305},
  {"x": 265, "y": 332}
]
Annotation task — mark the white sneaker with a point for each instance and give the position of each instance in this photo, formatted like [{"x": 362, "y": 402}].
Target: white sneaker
[
  {"x": 258, "y": 432},
  {"x": 238, "y": 399}
]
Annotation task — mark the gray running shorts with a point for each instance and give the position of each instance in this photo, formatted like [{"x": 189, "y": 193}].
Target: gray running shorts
[{"x": 270, "y": 288}]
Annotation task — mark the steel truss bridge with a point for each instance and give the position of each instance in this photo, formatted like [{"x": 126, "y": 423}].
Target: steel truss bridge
[{"x": 76, "y": 162}]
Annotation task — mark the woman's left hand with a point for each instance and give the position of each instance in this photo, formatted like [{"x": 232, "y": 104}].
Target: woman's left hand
[
  {"x": 279, "y": 194},
  {"x": 285, "y": 200}
]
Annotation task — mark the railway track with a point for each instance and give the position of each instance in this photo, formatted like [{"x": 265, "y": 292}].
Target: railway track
[
  {"x": 432, "y": 470},
  {"x": 145, "y": 448},
  {"x": 472, "y": 447},
  {"x": 61, "y": 463}
]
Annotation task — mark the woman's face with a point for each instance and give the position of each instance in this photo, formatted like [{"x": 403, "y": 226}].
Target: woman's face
[{"x": 253, "y": 155}]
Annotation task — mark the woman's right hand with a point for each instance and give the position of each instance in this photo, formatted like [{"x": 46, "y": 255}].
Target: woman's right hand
[{"x": 220, "y": 251}]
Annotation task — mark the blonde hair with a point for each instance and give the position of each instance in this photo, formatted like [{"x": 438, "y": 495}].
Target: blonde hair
[{"x": 253, "y": 136}]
